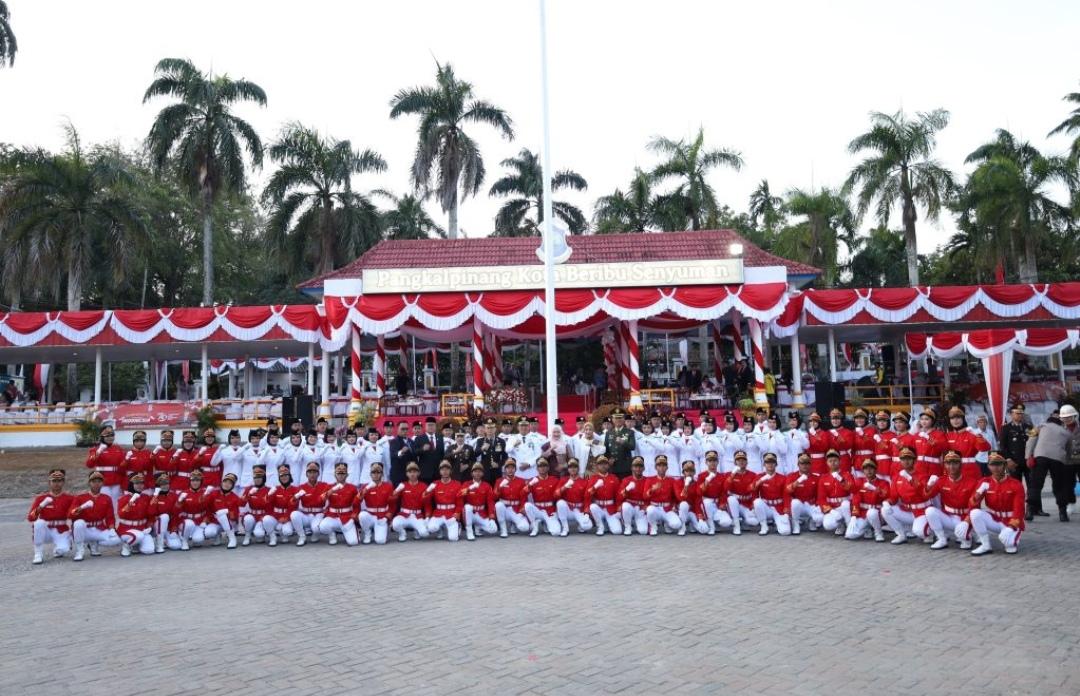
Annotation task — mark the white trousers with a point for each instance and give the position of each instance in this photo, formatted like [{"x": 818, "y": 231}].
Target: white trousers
[
  {"x": 44, "y": 534},
  {"x": 92, "y": 535},
  {"x": 114, "y": 492},
  {"x": 401, "y": 524},
  {"x": 715, "y": 515},
  {"x": 567, "y": 514},
  {"x": 943, "y": 523},
  {"x": 902, "y": 521},
  {"x": 766, "y": 513},
  {"x": 505, "y": 514},
  {"x": 140, "y": 539},
  {"x": 740, "y": 513},
  {"x": 801, "y": 512},
  {"x": 690, "y": 519},
  {"x": 603, "y": 518},
  {"x": 376, "y": 526},
  {"x": 983, "y": 524},
  {"x": 252, "y": 526},
  {"x": 634, "y": 517},
  {"x": 197, "y": 533},
  {"x": 450, "y": 524},
  {"x": 475, "y": 521},
  {"x": 538, "y": 516},
  {"x": 304, "y": 521},
  {"x": 837, "y": 517},
  {"x": 271, "y": 527},
  {"x": 856, "y": 526},
  {"x": 659, "y": 516},
  {"x": 161, "y": 531},
  {"x": 334, "y": 525}
]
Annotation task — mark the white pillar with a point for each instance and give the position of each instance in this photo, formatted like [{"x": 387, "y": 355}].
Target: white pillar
[
  {"x": 97, "y": 377},
  {"x": 832, "y": 356},
  {"x": 204, "y": 378},
  {"x": 1061, "y": 367},
  {"x": 324, "y": 385},
  {"x": 311, "y": 369},
  {"x": 945, "y": 377},
  {"x": 232, "y": 382},
  {"x": 797, "y": 399}
]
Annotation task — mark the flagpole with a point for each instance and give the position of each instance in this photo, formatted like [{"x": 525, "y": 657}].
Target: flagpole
[{"x": 552, "y": 380}]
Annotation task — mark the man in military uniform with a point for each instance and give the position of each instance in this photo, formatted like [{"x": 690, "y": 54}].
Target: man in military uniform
[
  {"x": 619, "y": 443},
  {"x": 491, "y": 451},
  {"x": 1014, "y": 437},
  {"x": 461, "y": 455}
]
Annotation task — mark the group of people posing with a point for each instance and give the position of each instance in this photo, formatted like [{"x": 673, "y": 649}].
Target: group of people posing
[{"x": 658, "y": 477}]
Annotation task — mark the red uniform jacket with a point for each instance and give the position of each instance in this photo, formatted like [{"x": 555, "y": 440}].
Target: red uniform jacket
[
  {"x": 910, "y": 494},
  {"x": 578, "y": 495},
  {"x": 805, "y": 491},
  {"x": 211, "y": 473},
  {"x": 190, "y": 505},
  {"x": 313, "y": 501},
  {"x": 1004, "y": 500},
  {"x": 899, "y": 442},
  {"x": 968, "y": 444},
  {"x": 99, "y": 515},
  {"x": 820, "y": 443},
  {"x": 377, "y": 500},
  {"x": 163, "y": 504},
  {"x": 955, "y": 496},
  {"x": 183, "y": 463},
  {"x": 929, "y": 450},
  {"x": 445, "y": 500},
  {"x": 883, "y": 452},
  {"x": 342, "y": 502},
  {"x": 258, "y": 501},
  {"x": 55, "y": 514},
  {"x": 161, "y": 459},
  {"x": 638, "y": 492},
  {"x": 110, "y": 462},
  {"x": 663, "y": 493},
  {"x": 283, "y": 502},
  {"x": 604, "y": 491},
  {"x": 512, "y": 492},
  {"x": 714, "y": 488},
  {"x": 773, "y": 490},
  {"x": 868, "y": 495},
  {"x": 741, "y": 485},
  {"x": 229, "y": 502},
  {"x": 865, "y": 446},
  {"x": 134, "y": 509},
  {"x": 544, "y": 492},
  {"x": 843, "y": 442},
  {"x": 411, "y": 499},
  {"x": 832, "y": 493},
  {"x": 481, "y": 496},
  {"x": 140, "y": 461}
]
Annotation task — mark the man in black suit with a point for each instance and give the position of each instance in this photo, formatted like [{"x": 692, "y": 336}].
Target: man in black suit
[
  {"x": 401, "y": 454},
  {"x": 430, "y": 448}
]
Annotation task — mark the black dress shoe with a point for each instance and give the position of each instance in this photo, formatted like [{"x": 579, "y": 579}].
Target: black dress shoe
[
  {"x": 1041, "y": 513},
  {"x": 1028, "y": 516},
  {"x": 1063, "y": 516}
]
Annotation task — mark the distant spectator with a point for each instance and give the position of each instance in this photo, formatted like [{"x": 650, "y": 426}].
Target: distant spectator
[{"x": 401, "y": 381}]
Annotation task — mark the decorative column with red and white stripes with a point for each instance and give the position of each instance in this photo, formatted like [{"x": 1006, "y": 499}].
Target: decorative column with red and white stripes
[
  {"x": 378, "y": 366},
  {"x": 496, "y": 361},
  {"x": 736, "y": 335},
  {"x": 478, "y": 363},
  {"x": 631, "y": 368},
  {"x": 611, "y": 361},
  {"x": 759, "y": 361},
  {"x": 718, "y": 357},
  {"x": 357, "y": 380}
]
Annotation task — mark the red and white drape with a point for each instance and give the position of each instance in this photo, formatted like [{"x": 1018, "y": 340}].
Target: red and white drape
[{"x": 357, "y": 381}]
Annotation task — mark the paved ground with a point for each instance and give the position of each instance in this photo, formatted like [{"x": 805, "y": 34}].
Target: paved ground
[{"x": 583, "y": 615}]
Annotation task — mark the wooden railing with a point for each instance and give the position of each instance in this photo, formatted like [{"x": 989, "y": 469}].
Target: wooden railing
[{"x": 658, "y": 397}]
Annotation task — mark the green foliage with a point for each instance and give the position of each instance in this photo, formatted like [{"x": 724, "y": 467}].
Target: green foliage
[
  {"x": 8, "y": 45},
  {"x": 827, "y": 222},
  {"x": 87, "y": 432},
  {"x": 878, "y": 260},
  {"x": 688, "y": 163},
  {"x": 525, "y": 181},
  {"x": 204, "y": 418},
  {"x": 408, "y": 219}
]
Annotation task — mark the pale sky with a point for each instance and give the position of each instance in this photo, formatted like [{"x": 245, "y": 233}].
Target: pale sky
[{"x": 786, "y": 83}]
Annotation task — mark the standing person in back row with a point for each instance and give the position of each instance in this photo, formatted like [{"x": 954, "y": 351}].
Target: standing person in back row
[
  {"x": 1049, "y": 446},
  {"x": 619, "y": 444},
  {"x": 1014, "y": 436}
]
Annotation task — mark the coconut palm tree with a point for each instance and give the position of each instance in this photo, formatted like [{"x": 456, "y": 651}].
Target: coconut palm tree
[
  {"x": 203, "y": 139},
  {"x": 313, "y": 207},
  {"x": 1010, "y": 193},
  {"x": 448, "y": 162},
  {"x": 1069, "y": 126},
  {"x": 638, "y": 209},
  {"x": 815, "y": 240},
  {"x": 408, "y": 220},
  {"x": 8, "y": 45},
  {"x": 526, "y": 183},
  {"x": 901, "y": 171},
  {"x": 688, "y": 162},
  {"x": 764, "y": 206}
]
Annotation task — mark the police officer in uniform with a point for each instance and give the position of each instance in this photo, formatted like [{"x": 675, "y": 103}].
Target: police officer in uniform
[
  {"x": 619, "y": 444},
  {"x": 1014, "y": 437}
]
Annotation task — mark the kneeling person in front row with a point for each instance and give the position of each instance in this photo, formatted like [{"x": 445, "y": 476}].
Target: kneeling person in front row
[
  {"x": 376, "y": 504},
  {"x": 741, "y": 494},
  {"x": 479, "y": 508},
  {"x": 444, "y": 496},
  {"x": 771, "y": 503},
  {"x": 1003, "y": 497},
  {"x": 573, "y": 502},
  {"x": 48, "y": 518},
  {"x": 604, "y": 494},
  {"x": 544, "y": 490},
  {"x": 634, "y": 495},
  {"x": 867, "y": 495},
  {"x": 663, "y": 498},
  {"x": 410, "y": 500},
  {"x": 134, "y": 523},
  {"x": 511, "y": 492},
  {"x": 341, "y": 508},
  {"x": 952, "y": 504},
  {"x": 93, "y": 520}
]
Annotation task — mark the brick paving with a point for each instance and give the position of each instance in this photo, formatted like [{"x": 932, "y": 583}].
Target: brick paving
[{"x": 582, "y": 615}]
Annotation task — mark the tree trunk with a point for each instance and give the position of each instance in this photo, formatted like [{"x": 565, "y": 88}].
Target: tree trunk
[
  {"x": 1029, "y": 270},
  {"x": 452, "y": 232},
  {"x": 74, "y": 304},
  {"x": 208, "y": 248},
  {"x": 911, "y": 242},
  {"x": 326, "y": 239}
]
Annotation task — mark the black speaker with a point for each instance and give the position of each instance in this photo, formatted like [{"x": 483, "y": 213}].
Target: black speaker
[
  {"x": 301, "y": 406},
  {"x": 828, "y": 395}
]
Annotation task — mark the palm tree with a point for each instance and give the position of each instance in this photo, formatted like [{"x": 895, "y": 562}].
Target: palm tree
[
  {"x": 764, "y": 206},
  {"x": 1069, "y": 126},
  {"x": 8, "y": 45},
  {"x": 878, "y": 260},
  {"x": 1010, "y": 193},
  {"x": 689, "y": 162},
  {"x": 901, "y": 170},
  {"x": 408, "y": 220},
  {"x": 526, "y": 181},
  {"x": 207, "y": 139},
  {"x": 313, "y": 207},
  {"x": 445, "y": 155},
  {"x": 638, "y": 209},
  {"x": 829, "y": 222}
]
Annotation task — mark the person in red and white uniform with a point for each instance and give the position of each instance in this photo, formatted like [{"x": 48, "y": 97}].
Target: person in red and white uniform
[
  {"x": 256, "y": 499},
  {"x": 797, "y": 443},
  {"x": 108, "y": 459},
  {"x": 231, "y": 455},
  {"x": 133, "y": 520},
  {"x": 139, "y": 459},
  {"x": 603, "y": 495},
  {"x": 712, "y": 490},
  {"x": 633, "y": 499},
  {"x": 883, "y": 441},
  {"x": 771, "y": 503},
  {"x": 949, "y": 514},
  {"x": 741, "y": 494},
  {"x": 443, "y": 497},
  {"x": 376, "y": 506},
  {"x": 543, "y": 492},
  {"x": 223, "y": 511},
  {"x": 663, "y": 497},
  {"x": 843, "y": 439},
  {"x": 48, "y": 518},
  {"x": 904, "y": 438},
  {"x": 929, "y": 446},
  {"x": 802, "y": 490},
  {"x": 967, "y": 442},
  {"x": 868, "y": 494},
  {"x": 1003, "y": 498},
  {"x": 479, "y": 504},
  {"x": 574, "y": 499},
  {"x": 834, "y": 496},
  {"x": 310, "y": 505},
  {"x": 270, "y": 457},
  {"x": 411, "y": 504},
  {"x": 190, "y": 523},
  {"x": 283, "y": 502},
  {"x": 905, "y": 510},
  {"x": 93, "y": 520},
  {"x": 820, "y": 442},
  {"x": 341, "y": 504},
  {"x": 512, "y": 492},
  {"x": 251, "y": 454},
  {"x": 691, "y": 510},
  {"x": 209, "y": 459},
  {"x": 162, "y": 454},
  {"x": 865, "y": 445},
  {"x": 351, "y": 454},
  {"x": 163, "y": 507}
]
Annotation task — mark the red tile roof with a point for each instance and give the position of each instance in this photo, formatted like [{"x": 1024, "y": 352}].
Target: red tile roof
[{"x": 521, "y": 251}]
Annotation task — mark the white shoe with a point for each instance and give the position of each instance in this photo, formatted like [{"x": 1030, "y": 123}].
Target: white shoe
[
  {"x": 565, "y": 532},
  {"x": 737, "y": 529},
  {"x": 301, "y": 540},
  {"x": 627, "y": 532},
  {"x": 941, "y": 543},
  {"x": 839, "y": 530},
  {"x": 79, "y": 550},
  {"x": 1011, "y": 549},
  {"x": 682, "y": 531},
  {"x": 159, "y": 544},
  {"x": 402, "y": 535},
  {"x": 232, "y": 542},
  {"x": 535, "y": 529},
  {"x": 57, "y": 553},
  {"x": 367, "y": 537},
  {"x": 95, "y": 550},
  {"x": 125, "y": 549},
  {"x": 982, "y": 549},
  {"x": 795, "y": 529},
  {"x": 878, "y": 536},
  {"x": 599, "y": 531},
  {"x": 332, "y": 540},
  {"x": 273, "y": 539},
  {"x": 470, "y": 535},
  {"x": 899, "y": 539},
  {"x": 653, "y": 530},
  {"x": 764, "y": 531},
  {"x": 246, "y": 541},
  {"x": 184, "y": 546},
  {"x": 965, "y": 544},
  {"x": 38, "y": 559}
]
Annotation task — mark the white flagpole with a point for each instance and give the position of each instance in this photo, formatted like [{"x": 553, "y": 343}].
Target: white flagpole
[{"x": 552, "y": 379}]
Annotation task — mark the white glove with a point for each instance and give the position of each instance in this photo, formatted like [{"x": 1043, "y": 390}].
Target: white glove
[
  {"x": 431, "y": 488},
  {"x": 89, "y": 504},
  {"x": 157, "y": 491},
  {"x": 271, "y": 491},
  {"x": 532, "y": 481},
  {"x": 631, "y": 486},
  {"x": 201, "y": 450},
  {"x": 710, "y": 477},
  {"x": 905, "y": 474},
  {"x": 336, "y": 487},
  {"x": 45, "y": 503},
  {"x": 147, "y": 492},
  {"x": 869, "y": 487},
  {"x": 598, "y": 485},
  {"x": 400, "y": 488},
  {"x": 858, "y": 431},
  {"x": 181, "y": 498},
  {"x": 567, "y": 485},
  {"x": 101, "y": 448},
  {"x": 474, "y": 486},
  {"x": 924, "y": 435},
  {"x": 687, "y": 480},
  {"x": 836, "y": 475},
  {"x": 932, "y": 480},
  {"x": 983, "y": 487},
  {"x": 504, "y": 483},
  {"x": 801, "y": 478},
  {"x": 209, "y": 489},
  {"x": 299, "y": 495},
  {"x": 128, "y": 455},
  {"x": 766, "y": 477}
]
